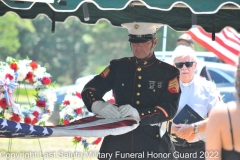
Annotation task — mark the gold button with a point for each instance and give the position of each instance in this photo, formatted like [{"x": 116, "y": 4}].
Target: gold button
[
  {"x": 139, "y": 85},
  {"x": 149, "y": 112},
  {"x": 122, "y": 84},
  {"x": 157, "y": 135},
  {"x": 142, "y": 114},
  {"x": 137, "y": 102},
  {"x": 138, "y": 94},
  {"x": 90, "y": 92},
  {"x": 139, "y": 77},
  {"x": 93, "y": 99},
  {"x": 145, "y": 62},
  {"x": 91, "y": 95},
  {"x": 155, "y": 111},
  {"x": 139, "y": 69},
  {"x": 154, "y": 90}
]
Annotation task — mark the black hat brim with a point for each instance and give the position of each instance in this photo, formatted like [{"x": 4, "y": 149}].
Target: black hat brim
[{"x": 139, "y": 40}]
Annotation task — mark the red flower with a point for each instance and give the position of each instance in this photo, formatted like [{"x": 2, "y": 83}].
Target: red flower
[
  {"x": 3, "y": 103},
  {"x": 65, "y": 121},
  {"x": 46, "y": 80},
  {"x": 79, "y": 110},
  {"x": 36, "y": 114},
  {"x": 34, "y": 65},
  {"x": 27, "y": 120},
  {"x": 9, "y": 76},
  {"x": 78, "y": 139},
  {"x": 41, "y": 104},
  {"x": 15, "y": 118},
  {"x": 34, "y": 121},
  {"x": 66, "y": 102},
  {"x": 78, "y": 95},
  {"x": 29, "y": 77},
  {"x": 111, "y": 101},
  {"x": 97, "y": 141},
  {"x": 14, "y": 66}
]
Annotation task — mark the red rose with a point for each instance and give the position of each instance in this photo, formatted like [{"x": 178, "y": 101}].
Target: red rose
[
  {"x": 29, "y": 77},
  {"x": 97, "y": 141},
  {"x": 65, "y": 121},
  {"x": 27, "y": 120},
  {"x": 34, "y": 65},
  {"x": 3, "y": 103},
  {"x": 66, "y": 103},
  {"x": 14, "y": 66},
  {"x": 78, "y": 139},
  {"x": 9, "y": 76},
  {"x": 79, "y": 110},
  {"x": 15, "y": 118},
  {"x": 36, "y": 114},
  {"x": 46, "y": 80},
  {"x": 78, "y": 95},
  {"x": 41, "y": 104},
  {"x": 34, "y": 121}
]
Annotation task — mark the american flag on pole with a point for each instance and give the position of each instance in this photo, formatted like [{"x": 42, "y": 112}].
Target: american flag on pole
[
  {"x": 86, "y": 127},
  {"x": 226, "y": 45}
]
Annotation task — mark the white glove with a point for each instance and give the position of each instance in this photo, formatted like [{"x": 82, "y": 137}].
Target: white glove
[
  {"x": 128, "y": 110},
  {"x": 105, "y": 109}
]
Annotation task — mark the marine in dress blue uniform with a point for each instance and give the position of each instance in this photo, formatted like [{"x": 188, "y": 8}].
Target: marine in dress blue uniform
[{"x": 149, "y": 86}]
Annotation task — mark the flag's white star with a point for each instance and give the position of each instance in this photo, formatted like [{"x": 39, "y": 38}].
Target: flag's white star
[
  {"x": 45, "y": 131},
  {"x": 4, "y": 123},
  {"x": 32, "y": 129},
  {"x": 18, "y": 126}
]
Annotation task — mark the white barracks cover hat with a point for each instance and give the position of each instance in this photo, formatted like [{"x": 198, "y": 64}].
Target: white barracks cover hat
[{"x": 141, "y": 32}]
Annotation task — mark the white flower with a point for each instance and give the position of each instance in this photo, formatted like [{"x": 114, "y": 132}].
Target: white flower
[
  {"x": 22, "y": 73},
  {"x": 44, "y": 118},
  {"x": 7, "y": 114},
  {"x": 37, "y": 83}
]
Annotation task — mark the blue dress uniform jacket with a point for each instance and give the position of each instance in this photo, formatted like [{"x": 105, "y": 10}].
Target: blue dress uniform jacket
[{"x": 152, "y": 87}]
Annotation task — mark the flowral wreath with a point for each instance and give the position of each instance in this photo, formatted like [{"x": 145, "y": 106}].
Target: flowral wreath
[
  {"x": 14, "y": 73},
  {"x": 72, "y": 109}
]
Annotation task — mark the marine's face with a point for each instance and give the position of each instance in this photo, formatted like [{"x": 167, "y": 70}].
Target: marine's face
[
  {"x": 143, "y": 50},
  {"x": 186, "y": 70}
]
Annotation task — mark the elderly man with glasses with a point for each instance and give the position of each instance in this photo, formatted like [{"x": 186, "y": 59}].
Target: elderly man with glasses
[{"x": 199, "y": 94}]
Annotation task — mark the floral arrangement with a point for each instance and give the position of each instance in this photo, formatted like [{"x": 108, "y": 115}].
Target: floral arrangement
[
  {"x": 73, "y": 108},
  {"x": 14, "y": 73}
]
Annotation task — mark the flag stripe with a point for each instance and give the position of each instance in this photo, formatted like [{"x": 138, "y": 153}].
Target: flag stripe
[{"x": 226, "y": 45}]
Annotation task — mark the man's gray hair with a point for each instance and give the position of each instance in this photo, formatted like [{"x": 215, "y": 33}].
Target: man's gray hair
[{"x": 183, "y": 51}]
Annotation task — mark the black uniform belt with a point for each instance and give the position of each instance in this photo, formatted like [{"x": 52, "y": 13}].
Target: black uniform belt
[{"x": 195, "y": 144}]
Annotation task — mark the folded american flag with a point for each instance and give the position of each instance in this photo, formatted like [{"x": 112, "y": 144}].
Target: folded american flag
[{"x": 86, "y": 127}]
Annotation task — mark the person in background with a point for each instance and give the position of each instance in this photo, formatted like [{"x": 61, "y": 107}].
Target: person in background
[
  {"x": 223, "y": 130},
  {"x": 198, "y": 93},
  {"x": 186, "y": 40},
  {"x": 144, "y": 88}
]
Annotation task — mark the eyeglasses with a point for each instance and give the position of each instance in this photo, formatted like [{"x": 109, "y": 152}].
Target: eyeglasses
[{"x": 187, "y": 64}]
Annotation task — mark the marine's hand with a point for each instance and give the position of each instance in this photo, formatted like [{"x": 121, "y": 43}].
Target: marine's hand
[
  {"x": 105, "y": 110},
  {"x": 128, "y": 110}
]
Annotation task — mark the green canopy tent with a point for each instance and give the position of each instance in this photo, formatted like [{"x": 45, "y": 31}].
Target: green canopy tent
[{"x": 212, "y": 15}]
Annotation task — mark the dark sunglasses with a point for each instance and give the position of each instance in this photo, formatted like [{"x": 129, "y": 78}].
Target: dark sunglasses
[{"x": 187, "y": 64}]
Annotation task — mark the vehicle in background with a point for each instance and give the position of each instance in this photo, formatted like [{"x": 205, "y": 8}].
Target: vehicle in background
[
  {"x": 227, "y": 92},
  {"x": 219, "y": 72}
]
